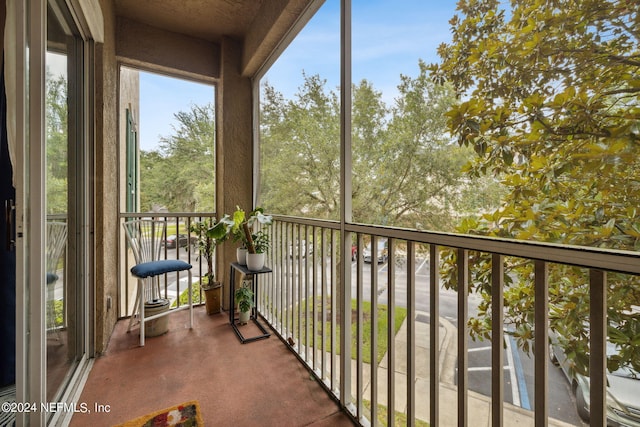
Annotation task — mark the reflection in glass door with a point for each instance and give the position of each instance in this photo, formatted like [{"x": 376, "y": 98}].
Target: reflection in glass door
[{"x": 64, "y": 308}]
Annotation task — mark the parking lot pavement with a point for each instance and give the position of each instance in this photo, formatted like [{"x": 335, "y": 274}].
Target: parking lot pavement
[{"x": 479, "y": 406}]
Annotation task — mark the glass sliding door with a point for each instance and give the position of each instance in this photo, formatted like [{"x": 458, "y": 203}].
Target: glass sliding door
[{"x": 65, "y": 194}]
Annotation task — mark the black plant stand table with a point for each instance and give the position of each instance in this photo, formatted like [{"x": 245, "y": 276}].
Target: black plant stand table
[{"x": 254, "y": 310}]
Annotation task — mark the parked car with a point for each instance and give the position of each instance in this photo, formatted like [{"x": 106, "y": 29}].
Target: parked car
[
  {"x": 181, "y": 240},
  {"x": 623, "y": 388},
  {"x": 382, "y": 251}
]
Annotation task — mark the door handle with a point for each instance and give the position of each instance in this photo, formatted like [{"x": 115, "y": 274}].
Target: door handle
[{"x": 9, "y": 208}]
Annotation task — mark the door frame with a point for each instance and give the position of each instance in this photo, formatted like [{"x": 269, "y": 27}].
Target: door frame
[{"x": 28, "y": 51}]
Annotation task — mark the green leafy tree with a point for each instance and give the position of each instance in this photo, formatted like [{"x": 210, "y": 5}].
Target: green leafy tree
[
  {"x": 406, "y": 169},
  {"x": 370, "y": 121},
  {"x": 551, "y": 106},
  {"x": 155, "y": 184},
  {"x": 300, "y": 142},
  {"x": 56, "y": 119},
  {"x": 180, "y": 176}
]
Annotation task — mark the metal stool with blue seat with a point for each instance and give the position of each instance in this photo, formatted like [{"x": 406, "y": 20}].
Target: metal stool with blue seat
[{"x": 145, "y": 240}]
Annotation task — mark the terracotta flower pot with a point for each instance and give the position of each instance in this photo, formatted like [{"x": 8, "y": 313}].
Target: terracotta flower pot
[{"x": 213, "y": 297}]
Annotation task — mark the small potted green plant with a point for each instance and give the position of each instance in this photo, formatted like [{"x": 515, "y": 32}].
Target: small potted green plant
[{"x": 244, "y": 299}]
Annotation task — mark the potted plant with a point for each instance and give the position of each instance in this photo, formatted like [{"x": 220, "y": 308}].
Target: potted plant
[
  {"x": 239, "y": 225},
  {"x": 258, "y": 242},
  {"x": 206, "y": 243},
  {"x": 256, "y": 260},
  {"x": 244, "y": 299}
]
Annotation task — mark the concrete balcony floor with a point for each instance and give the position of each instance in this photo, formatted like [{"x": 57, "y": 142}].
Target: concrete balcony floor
[{"x": 260, "y": 383}]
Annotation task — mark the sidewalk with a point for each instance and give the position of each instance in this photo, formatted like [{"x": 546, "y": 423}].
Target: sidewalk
[{"x": 479, "y": 406}]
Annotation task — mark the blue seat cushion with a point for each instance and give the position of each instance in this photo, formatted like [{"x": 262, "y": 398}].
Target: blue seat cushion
[{"x": 153, "y": 268}]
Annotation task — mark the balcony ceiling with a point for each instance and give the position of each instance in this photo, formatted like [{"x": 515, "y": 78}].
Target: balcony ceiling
[
  {"x": 260, "y": 26},
  {"x": 204, "y": 19}
]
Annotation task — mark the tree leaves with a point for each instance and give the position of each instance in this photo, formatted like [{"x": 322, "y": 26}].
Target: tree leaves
[
  {"x": 551, "y": 102},
  {"x": 56, "y": 119},
  {"x": 181, "y": 175},
  {"x": 405, "y": 169}
]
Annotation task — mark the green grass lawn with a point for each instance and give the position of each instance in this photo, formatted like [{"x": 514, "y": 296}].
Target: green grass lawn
[
  {"x": 173, "y": 229},
  {"x": 383, "y": 324},
  {"x": 400, "y": 419}
]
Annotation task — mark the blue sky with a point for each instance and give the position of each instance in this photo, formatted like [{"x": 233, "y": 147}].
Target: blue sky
[
  {"x": 161, "y": 98},
  {"x": 388, "y": 39}
]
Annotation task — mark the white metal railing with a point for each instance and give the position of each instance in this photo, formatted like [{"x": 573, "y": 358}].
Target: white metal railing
[
  {"x": 171, "y": 284},
  {"x": 304, "y": 298}
]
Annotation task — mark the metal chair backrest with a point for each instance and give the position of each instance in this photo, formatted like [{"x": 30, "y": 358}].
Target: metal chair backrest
[
  {"x": 145, "y": 238},
  {"x": 56, "y": 240}
]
